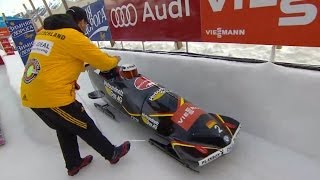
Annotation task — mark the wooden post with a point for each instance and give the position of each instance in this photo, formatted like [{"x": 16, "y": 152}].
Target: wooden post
[
  {"x": 273, "y": 53},
  {"x": 4, "y": 17},
  {"x": 65, "y": 4},
  {"x": 34, "y": 25},
  {"x": 143, "y": 48},
  {"x": 187, "y": 47},
  {"x": 112, "y": 43},
  {"x": 34, "y": 9},
  {"x": 178, "y": 45},
  {"x": 47, "y": 7}
]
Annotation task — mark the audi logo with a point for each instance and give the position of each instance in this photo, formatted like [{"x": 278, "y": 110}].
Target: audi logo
[{"x": 122, "y": 16}]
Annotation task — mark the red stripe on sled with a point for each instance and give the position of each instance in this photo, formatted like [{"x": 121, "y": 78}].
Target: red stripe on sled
[{"x": 230, "y": 125}]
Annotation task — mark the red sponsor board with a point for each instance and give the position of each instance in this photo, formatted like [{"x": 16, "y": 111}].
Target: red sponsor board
[
  {"x": 157, "y": 20},
  {"x": 276, "y": 22},
  {"x": 4, "y": 32},
  {"x": 186, "y": 115},
  {"x": 7, "y": 46}
]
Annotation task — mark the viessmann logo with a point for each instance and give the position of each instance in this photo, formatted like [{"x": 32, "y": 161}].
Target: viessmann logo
[
  {"x": 220, "y": 32},
  {"x": 127, "y": 15}
]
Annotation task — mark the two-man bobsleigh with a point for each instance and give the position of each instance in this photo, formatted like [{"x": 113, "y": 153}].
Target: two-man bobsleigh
[{"x": 192, "y": 136}]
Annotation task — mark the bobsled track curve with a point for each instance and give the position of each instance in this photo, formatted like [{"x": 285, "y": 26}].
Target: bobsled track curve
[{"x": 277, "y": 106}]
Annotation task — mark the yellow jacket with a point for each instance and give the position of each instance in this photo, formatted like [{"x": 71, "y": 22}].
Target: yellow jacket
[{"x": 55, "y": 62}]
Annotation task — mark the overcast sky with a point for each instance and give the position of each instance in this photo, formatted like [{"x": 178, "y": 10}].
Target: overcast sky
[{"x": 12, "y": 7}]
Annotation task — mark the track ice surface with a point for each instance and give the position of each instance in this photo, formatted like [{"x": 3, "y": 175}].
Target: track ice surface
[{"x": 32, "y": 150}]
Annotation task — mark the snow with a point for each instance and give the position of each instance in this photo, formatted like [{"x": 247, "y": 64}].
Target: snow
[
  {"x": 291, "y": 54},
  {"x": 32, "y": 151}
]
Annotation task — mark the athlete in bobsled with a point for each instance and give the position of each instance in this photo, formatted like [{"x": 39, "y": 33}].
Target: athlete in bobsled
[{"x": 191, "y": 136}]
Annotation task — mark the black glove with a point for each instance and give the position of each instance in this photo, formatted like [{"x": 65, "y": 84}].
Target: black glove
[{"x": 111, "y": 73}]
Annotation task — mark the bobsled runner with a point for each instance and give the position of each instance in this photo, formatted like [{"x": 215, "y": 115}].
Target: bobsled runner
[{"x": 186, "y": 132}]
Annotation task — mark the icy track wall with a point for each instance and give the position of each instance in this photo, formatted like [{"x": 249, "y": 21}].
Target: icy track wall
[{"x": 277, "y": 103}]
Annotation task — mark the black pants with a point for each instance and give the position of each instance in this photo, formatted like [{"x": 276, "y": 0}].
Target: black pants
[{"x": 69, "y": 122}]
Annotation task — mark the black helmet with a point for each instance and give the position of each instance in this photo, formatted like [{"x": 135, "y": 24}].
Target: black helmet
[{"x": 78, "y": 14}]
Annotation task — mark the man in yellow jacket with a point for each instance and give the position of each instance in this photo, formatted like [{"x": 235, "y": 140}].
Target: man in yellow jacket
[{"x": 48, "y": 86}]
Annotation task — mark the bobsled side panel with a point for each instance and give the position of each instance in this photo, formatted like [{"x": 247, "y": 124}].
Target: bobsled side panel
[{"x": 197, "y": 137}]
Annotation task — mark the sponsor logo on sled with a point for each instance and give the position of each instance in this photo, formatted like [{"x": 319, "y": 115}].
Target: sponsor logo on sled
[
  {"x": 186, "y": 115},
  {"x": 113, "y": 88},
  {"x": 158, "y": 94},
  {"x": 226, "y": 138},
  {"x": 114, "y": 92},
  {"x": 210, "y": 158},
  {"x": 217, "y": 154},
  {"x": 142, "y": 83},
  {"x": 149, "y": 121}
]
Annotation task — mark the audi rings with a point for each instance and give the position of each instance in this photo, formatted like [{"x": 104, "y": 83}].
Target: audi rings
[{"x": 122, "y": 17}]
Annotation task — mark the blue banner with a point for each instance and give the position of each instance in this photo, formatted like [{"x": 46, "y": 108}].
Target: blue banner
[
  {"x": 23, "y": 34},
  {"x": 99, "y": 29}
]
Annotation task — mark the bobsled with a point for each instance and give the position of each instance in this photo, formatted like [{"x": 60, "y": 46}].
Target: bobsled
[{"x": 186, "y": 132}]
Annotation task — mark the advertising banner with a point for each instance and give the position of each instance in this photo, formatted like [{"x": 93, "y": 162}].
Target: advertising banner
[
  {"x": 23, "y": 34},
  {"x": 8, "y": 49},
  {"x": 4, "y": 32},
  {"x": 274, "y": 22},
  {"x": 4, "y": 41},
  {"x": 99, "y": 29},
  {"x": 158, "y": 20}
]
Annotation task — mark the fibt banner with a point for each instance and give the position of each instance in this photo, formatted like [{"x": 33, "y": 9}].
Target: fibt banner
[
  {"x": 154, "y": 20},
  {"x": 277, "y": 22},
  {"x": 23, "y": 34},
  {"x": 99, "y": 29}
]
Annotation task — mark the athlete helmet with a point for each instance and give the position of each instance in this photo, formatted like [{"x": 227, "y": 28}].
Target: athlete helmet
[{"x": 128, "y": 71}]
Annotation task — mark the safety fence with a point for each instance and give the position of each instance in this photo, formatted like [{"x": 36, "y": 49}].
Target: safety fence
[{"x": 186, "y": 26}]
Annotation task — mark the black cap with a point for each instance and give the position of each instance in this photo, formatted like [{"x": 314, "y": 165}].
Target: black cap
[{"x": 78, "y": 14}]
